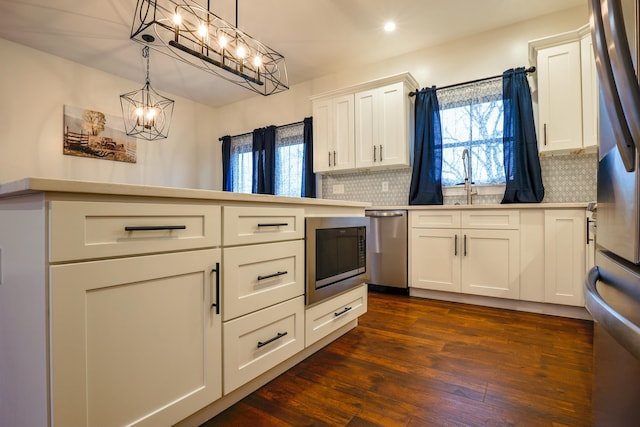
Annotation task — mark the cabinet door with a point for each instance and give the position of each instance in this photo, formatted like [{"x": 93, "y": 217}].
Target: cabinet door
[
  {"x": 382, "y": 127},
  {"x": 334, "y": 134},
  {"x": 135, "y": 341},
  {"x": 343, "y": 148},
  {"x": 393, "y": 142},
  {"x": 435, "y": 259},
  {"x": 590, "y": 94},
  {"x": 322, "y": 129},
  {"x": 367, "y": 128},
  {"x": 491, "y": 262},
  {"x": 559, "y": 98},
  {"x": 565, "y": 247}
]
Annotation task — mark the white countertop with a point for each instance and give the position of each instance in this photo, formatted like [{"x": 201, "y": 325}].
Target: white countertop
[
  {"x": 33, "y": 184},
  {"x": 572, "y": 205}
]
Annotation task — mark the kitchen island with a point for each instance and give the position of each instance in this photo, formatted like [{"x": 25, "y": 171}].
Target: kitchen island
[{"x": 128, "y": 305}]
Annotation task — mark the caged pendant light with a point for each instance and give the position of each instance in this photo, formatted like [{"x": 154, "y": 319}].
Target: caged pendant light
[
  {"x": 146, "y": 113},
  {"x": 192, "y": 34}
]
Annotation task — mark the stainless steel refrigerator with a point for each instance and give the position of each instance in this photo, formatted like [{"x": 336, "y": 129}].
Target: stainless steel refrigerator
[{"x": 612, "y": 288}]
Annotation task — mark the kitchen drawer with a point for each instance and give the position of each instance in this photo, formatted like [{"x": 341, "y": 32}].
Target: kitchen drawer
[
  {"x": 434, "y": 219},
  {"x": 258, "y": 276},
  {"x": 497, "y": 219},
  {"x": 326, "y": 317},
  {"x": 87, "y": 230},
  {"x": 257, "y": 342},
  {"x": 245, "y": 225}
]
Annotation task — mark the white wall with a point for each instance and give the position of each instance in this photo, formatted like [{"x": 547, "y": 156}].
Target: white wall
[
  {"x": 479, "y": 56},
  {"x": 35, "y": 86}
]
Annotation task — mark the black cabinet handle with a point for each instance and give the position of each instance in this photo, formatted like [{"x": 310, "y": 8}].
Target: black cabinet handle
[
  {"x": 269, "y": 276},
  {"x": 380, "y": 152},
  {"x": 465, "y": 245},
  {"x": 340, "y": 313},
  {"x": 217, "y": 303},
  {"x": 374, "y": 153},
  {"x": 270, "y": 340},
  {"x": 155, "y": 227},
  {"x": 589, "y": 239},
  {"x": 329, "y": 158},
  {"x": 455, "y": 246},
  {"x": 278, "y": 224}
]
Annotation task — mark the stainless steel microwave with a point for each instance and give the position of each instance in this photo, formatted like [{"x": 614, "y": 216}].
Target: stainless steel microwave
[{"x": 336, "y": 255}]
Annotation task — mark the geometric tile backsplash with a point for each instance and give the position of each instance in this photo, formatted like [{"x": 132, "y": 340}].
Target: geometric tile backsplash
[{"x": 570, "y": 178}]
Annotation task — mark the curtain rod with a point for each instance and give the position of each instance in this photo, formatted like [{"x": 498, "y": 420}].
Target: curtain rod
[
  {"x": 281, "y": 126},
  {"x": 528, "y": 70}
]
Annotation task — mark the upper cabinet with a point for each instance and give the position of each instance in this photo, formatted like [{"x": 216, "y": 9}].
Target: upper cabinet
[
  {"x": 365, "y": 126},
  {"x": 567, "y": 92}
]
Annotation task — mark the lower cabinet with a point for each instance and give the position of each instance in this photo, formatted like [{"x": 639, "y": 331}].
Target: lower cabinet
[
  {"x": 565, "y": 245},
  {"x": 538, "y": 255},
  {"x": 257, "y": 342},
  {"x": 326, "y": 317},
  {"x": 135, "y": 341},
  {"x": 473, "y": 261}
]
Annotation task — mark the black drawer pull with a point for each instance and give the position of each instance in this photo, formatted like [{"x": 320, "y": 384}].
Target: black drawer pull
[
  {"x": 277, "y": 224},
  {"x": 342, "y": 312},
  {"x": 155, "y": 227},
  {"x": 277, "y": 337},
  {"x": 269, "y": 276}
]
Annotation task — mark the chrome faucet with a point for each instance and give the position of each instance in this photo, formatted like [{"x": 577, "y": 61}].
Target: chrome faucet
[{"x": 466, "y": 162}]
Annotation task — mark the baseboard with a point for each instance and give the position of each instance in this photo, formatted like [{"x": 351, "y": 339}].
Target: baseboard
[{"x": 509, "y": 304}]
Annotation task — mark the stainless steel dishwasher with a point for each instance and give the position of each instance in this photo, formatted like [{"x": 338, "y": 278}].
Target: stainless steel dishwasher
[{"x": 387, "y": 247}]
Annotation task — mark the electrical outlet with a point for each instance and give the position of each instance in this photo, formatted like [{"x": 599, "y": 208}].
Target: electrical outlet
[
  {"x": 385, "y": 186},
  {"x": 338, "y": 189}
]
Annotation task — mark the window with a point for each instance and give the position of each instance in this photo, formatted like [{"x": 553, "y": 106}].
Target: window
[
  {"x": 241, "y": 163},
  {"x": 471, "y": 118},
  {"x": 289, "y": 161}
]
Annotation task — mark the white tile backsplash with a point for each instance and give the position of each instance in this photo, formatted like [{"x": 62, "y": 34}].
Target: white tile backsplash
[{"x": 570, "y": 178}]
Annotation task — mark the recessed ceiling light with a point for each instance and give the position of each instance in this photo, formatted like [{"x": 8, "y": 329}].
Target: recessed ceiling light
[{"x": 390, "y": 26}]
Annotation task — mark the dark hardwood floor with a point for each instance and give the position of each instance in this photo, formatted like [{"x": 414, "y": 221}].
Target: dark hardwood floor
[{"x": 417, "y": 362}]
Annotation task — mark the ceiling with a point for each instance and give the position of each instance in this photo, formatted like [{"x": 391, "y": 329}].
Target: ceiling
[{"x": 317, "y": 37}]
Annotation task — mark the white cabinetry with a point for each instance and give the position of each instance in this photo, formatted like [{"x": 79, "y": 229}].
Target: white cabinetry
[
  {"x": 382, "y": 132},
  {"x": 567, "y": 92},
  {"x": 565, "y": 245},
  {"x": 135, "y": 340},
  {"x": 333, "y": 134},
  {"x": 474, "y": 252},
  {"x": 365, "y": 126},
  {"x": 330, "y": 315},
  {"x": 263, "y": 290}
]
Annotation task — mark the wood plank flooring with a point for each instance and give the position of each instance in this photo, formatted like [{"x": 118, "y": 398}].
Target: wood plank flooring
[{"x": 417, "y": 362}]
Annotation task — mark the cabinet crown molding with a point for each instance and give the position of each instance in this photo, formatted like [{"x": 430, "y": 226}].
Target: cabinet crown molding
[
  {"x": 556, "y": 39},
  {"x": 405, "y": 77}
]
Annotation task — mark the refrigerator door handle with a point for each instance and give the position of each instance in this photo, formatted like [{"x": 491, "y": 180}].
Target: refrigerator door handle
[
  {"x": 613, "y": 104},
  {"x": 622, "y": 329}
]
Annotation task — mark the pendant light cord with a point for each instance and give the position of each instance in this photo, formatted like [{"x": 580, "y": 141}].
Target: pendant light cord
[{"x": 145, "y": 54}]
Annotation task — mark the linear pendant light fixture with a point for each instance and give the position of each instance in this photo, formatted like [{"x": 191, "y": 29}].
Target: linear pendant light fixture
[
  {"x": 190, "y": 33},
  {"x": 146, "y": 113}
]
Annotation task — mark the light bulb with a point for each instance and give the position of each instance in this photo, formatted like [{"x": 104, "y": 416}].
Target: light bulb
[
  {"x": 202, "y": 30},
  {"x": 139, "y": 112},
  {"x": 242, "y": 52},
  {"x": 390, "y": 26},
  {"x": 222, "y": 41},
  {"x": 177, "y": 19},
  {"x": 151, "y": 113},
  {"x": 257, "y": 61}
]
